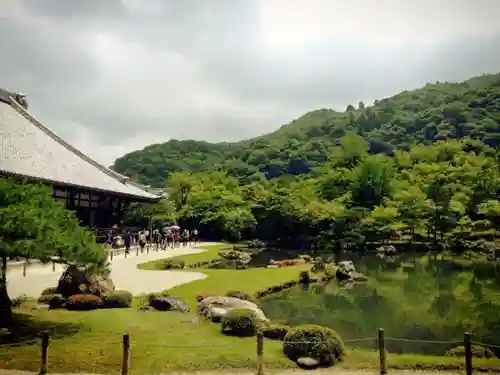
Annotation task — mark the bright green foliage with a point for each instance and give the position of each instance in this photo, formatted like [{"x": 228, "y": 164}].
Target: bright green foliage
[
  {"x": 436, "y": 112},
  {"x": 444, "y": 195},
  {"x": 35, "y": 226}
]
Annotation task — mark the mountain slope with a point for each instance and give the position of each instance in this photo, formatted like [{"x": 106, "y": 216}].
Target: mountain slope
[{"x": 434, "y": 112}]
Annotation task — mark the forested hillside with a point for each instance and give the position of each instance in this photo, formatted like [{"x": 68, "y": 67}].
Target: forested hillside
[
  {"x": 444, "y": 195},
  {"x": 439, "y": 111}
]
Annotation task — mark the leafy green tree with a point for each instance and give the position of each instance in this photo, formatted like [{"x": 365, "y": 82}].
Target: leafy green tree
[{"x": 35, "y": 226}]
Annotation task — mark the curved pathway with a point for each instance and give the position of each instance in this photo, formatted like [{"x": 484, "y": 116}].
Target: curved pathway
[{"x": 124, "y": 273}]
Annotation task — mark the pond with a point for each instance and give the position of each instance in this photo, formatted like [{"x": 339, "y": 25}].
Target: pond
[{"x": 411, "y": 297}]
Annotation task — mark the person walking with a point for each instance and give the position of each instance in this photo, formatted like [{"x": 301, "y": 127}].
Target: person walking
[
  {"x": 127, "y": 239},
  {"x": 142, "y": 240}
]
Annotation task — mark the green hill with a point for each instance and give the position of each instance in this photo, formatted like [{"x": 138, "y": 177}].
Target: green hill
[{"x": 434, "y": 112}]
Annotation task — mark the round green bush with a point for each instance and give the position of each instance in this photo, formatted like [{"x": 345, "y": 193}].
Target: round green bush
[
  {"x": 57, "y": 301},
  {"x": 478, "y": 351},
  {"x": 50, "y": 290},
  {"x": 304, "y": 277},
  {"x": 51, "y": 300},
  {"x": 274, "y": 331},
  {"x": 117, "y": 299},
  {"x": 83, "y": 302},
  {"x": 239, "y": 322},
  {"x": 320, "y": 343}
]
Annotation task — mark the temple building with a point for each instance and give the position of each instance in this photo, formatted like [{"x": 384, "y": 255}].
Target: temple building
[{"x": 31, "y": 151}]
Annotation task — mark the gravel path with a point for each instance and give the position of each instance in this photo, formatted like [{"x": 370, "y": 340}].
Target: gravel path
[{"x": 124, "y": 273}]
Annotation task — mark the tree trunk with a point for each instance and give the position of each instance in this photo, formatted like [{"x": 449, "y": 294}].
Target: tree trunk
[{"x": 5, "y": 302}]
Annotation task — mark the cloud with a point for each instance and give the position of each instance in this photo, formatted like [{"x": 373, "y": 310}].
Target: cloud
[{"x": 113, "y": 76}]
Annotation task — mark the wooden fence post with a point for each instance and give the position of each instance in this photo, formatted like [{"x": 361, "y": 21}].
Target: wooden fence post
[
  {"x": 468, "y": 353},
  {"x": 44, "y": 353},
  {"x": 260, "y": 353},
  {"x": 111, "y": 255},
  {"x": 24, "y": 268},
  {"x": 382, "y": 351},
  {"x": 53, "y": 266},
  {"x": 126, "y": 353}
]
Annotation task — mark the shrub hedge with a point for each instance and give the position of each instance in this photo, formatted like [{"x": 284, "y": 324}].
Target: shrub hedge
[{"x": 173, "y": 264}]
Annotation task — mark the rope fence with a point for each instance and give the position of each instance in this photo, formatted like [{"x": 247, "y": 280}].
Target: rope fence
[{"x": 381, "y": 340}]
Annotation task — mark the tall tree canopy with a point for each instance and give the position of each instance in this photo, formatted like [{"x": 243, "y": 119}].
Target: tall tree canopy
[
  {"x": 435, "y": 112},
  {"x": 444, "y": 195},
  {"x": 35, "y": 226}
]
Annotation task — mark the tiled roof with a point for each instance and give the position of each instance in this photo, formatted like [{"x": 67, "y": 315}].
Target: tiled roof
[{"x": 30, "y": 149}]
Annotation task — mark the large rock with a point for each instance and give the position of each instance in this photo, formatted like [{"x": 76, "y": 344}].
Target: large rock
[
  {"x": 78, "y": 280},
  {"x": 169, "y": 303},
  {"x": 215, "y": 307}
]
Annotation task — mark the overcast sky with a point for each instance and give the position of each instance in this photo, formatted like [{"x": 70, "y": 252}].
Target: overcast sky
[{"x": 112, "y": 76}]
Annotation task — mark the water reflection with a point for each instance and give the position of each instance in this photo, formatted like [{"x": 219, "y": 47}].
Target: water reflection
[{"x": 420, "y": 298}]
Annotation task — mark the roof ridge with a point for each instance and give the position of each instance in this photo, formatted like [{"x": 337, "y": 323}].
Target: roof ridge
[{"x": 19, "y": 108}]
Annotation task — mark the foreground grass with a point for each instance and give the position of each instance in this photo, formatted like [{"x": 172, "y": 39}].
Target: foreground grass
[
  {"x": 169, "y": 341},
  {"x": 90, "y": 342}
]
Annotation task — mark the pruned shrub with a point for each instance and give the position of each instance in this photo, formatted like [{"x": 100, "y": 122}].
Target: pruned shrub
[
  {"x": 173, "y": 264},
  {"x": 117, "y": 299},
  {"x": 239, "y": 322},
  {"x": 478, "y": 351},
  {"x": 57, "y": 301},
  {"x": 274, "y": 331},
  {"x": 304, "y": 277},
  {"x": 49, "y": 290},
  {"x": 44, "y": 299},
  {"x": 240, "y": 295},
  {"x": 83, "y": 302},
  {"x": 320, "y": 343}
]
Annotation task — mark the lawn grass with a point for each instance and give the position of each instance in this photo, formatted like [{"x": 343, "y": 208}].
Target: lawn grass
[
  {"x": 163, "y": 342},
  {"x": 210, "y": 252}
]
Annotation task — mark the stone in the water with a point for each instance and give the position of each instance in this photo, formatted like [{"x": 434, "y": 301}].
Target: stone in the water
[{"x": 307, "y": 362}]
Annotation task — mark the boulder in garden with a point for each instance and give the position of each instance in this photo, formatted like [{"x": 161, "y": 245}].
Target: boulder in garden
[
  {"x": 169, "y": 303},
  {"x": 215, "y": 307},
  {"x": 78, "y": 280}
]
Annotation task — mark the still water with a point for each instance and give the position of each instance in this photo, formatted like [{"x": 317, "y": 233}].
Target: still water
[{"x": 414, "y": 298}]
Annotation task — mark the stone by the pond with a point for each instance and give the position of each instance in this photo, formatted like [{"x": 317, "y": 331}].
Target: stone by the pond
[
  {"x": 307, "y": 362},
  {"x": 169, "y": 303},
  {"x": 218, "y": 306}
]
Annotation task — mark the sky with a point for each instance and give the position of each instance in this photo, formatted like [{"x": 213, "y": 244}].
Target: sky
[{"x": 112, "y": 76}]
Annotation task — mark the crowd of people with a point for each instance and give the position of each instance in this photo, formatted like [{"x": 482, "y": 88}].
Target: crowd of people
[{"x": 168, "y": 237}]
